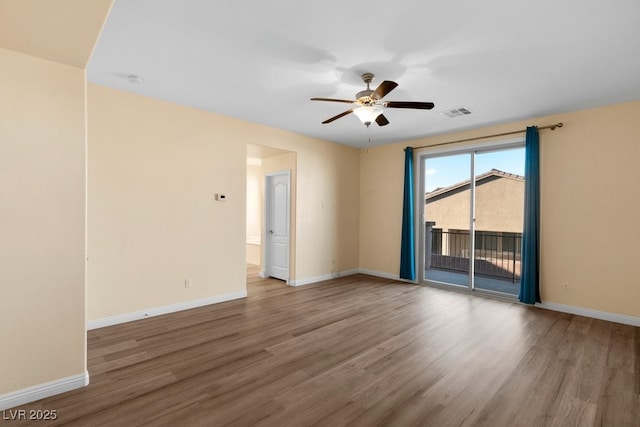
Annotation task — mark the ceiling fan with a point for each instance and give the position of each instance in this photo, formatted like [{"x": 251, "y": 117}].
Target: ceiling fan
[{"x": 369, "y": 104}]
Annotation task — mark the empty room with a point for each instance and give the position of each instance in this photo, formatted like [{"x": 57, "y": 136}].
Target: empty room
[{"x": 287, "y": 213}]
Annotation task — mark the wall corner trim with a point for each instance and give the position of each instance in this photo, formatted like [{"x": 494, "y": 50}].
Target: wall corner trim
[
  {"x": 165, "y": 309},
  {"x": 42, "y": 391},
  {"x": 586, "y": 312}
]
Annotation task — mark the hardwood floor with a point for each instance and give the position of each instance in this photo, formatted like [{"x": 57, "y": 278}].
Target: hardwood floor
[{"x": 358, "y": 351}]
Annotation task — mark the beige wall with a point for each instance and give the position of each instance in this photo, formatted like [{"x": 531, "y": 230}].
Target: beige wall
[
  {"x": 254, "y": 200},
  {"x": 42, "y": 221},
  {"x": 62, "y": 31},
  {"x": 381, "y": 181},
  {"x": 152, "y": 221},
  {"x": 590, "y": 209},
  {"x": 254, "y": 210},
  {"x": 589, "y": 179},
  {"x": 499, "y": 207},
  {"x": 159, "y": 189},
  {"x": 326, "y": 207}
]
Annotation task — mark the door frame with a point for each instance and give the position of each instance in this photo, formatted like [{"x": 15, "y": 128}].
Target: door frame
[
  {"x": 472, "y": 149},
  {"x": 266, "y": 236}
]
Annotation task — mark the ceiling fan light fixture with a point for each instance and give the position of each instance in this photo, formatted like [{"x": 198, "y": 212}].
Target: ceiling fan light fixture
[
  {"x": 369, "y": 104},
  {"x": 368, "y": 114}
]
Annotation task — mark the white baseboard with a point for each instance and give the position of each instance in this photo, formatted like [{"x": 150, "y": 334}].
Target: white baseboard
[
  {"x": 349, "y": 272},
  {"x": 595, "y": 314},
  {"x": 316, "y": 279},
  {"x": 380, "y": 274},
  {"x": 42, "y": 391},
  {"x": 385, "y": 275},
  {"x": 166, "y": 309},
  {"x": 586, "y": 312}
]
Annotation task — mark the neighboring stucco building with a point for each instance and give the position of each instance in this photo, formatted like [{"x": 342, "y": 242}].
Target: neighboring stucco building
[
  {"x": 498, "y": 217},
  {"x": 499, "y": 203}
]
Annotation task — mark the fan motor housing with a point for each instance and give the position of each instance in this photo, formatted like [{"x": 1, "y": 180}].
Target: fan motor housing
[{"x": 364, "y": 96}]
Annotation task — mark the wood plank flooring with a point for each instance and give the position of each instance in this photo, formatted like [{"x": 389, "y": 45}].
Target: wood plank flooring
[{"x": 358, "y": 351}]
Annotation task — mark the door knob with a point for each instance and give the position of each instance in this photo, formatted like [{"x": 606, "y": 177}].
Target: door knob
[{"x": 270, "y": 231}]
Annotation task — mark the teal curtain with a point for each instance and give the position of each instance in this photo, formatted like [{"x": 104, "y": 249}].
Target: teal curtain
[
  {"x": 530, "y": 277},
  {"x": 407, "y": 250}
]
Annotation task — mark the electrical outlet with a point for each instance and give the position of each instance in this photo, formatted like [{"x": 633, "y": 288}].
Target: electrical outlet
[
  {"x": 187, "y": 283},
  {"x": 565, "y": 287}
]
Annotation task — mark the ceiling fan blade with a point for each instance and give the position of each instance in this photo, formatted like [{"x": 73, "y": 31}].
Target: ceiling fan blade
[
  {"x": 384, "y": 88},
  {"x": 337, "y": 117},
  {"x": 381, "y": 120},
  {"x": 333, "y": 100},
  {"x": 409, "y": 104}
]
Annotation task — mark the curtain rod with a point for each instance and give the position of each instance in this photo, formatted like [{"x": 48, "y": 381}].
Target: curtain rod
[{"x": 552, "y": 127}]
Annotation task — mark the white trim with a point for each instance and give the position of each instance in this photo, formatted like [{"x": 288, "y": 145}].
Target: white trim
[
  {"x": 386, "y": 275},
  {"x": 380, "y": 274},
  {"x": 310, "y": 280},
  {"x": 42, "y": 391},
  {"x": 595, "y": 314},
  {"x": 472, "y": 149},
  {"x": 351, "y": 272},
  {"x": 322, "y": 278},
  {"x": 165, "y": 309},
  {"x": 579, "y": 311},
  {"x": 262, "y": 274}
]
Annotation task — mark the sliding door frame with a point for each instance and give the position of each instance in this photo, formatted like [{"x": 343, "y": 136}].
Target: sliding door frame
[{"x": 471, "y": 149}]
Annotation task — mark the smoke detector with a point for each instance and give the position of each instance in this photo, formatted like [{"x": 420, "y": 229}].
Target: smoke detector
[{"x": 133, "y": 79}]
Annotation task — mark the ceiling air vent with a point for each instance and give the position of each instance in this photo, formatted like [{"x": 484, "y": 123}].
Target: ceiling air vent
[{"x": 456, "y": 112}]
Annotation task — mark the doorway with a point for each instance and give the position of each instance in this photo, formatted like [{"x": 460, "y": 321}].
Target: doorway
[
  {"x": 472, "y": 218},
  {"x": 263, "y": 161}
]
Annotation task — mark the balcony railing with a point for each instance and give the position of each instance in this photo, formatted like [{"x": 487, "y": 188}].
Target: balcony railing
[{"x": 496, "y": 254}]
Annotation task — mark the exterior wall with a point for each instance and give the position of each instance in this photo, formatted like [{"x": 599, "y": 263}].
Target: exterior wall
[
  {"x": 499, "y": 207},
  {"x": 588, "y": 171},
  {"x": 451, "y": 212}
]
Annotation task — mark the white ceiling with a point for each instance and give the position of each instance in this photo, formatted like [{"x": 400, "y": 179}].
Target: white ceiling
[{"x": 261, "y": 61}]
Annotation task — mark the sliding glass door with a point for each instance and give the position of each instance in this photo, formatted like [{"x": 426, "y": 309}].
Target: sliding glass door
[
  {"x": 472, "y": 231},
  {"x": 447, "y": 212}
]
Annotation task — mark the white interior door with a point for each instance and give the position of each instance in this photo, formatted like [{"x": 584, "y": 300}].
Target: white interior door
[{"x": 277, "y": 225}]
